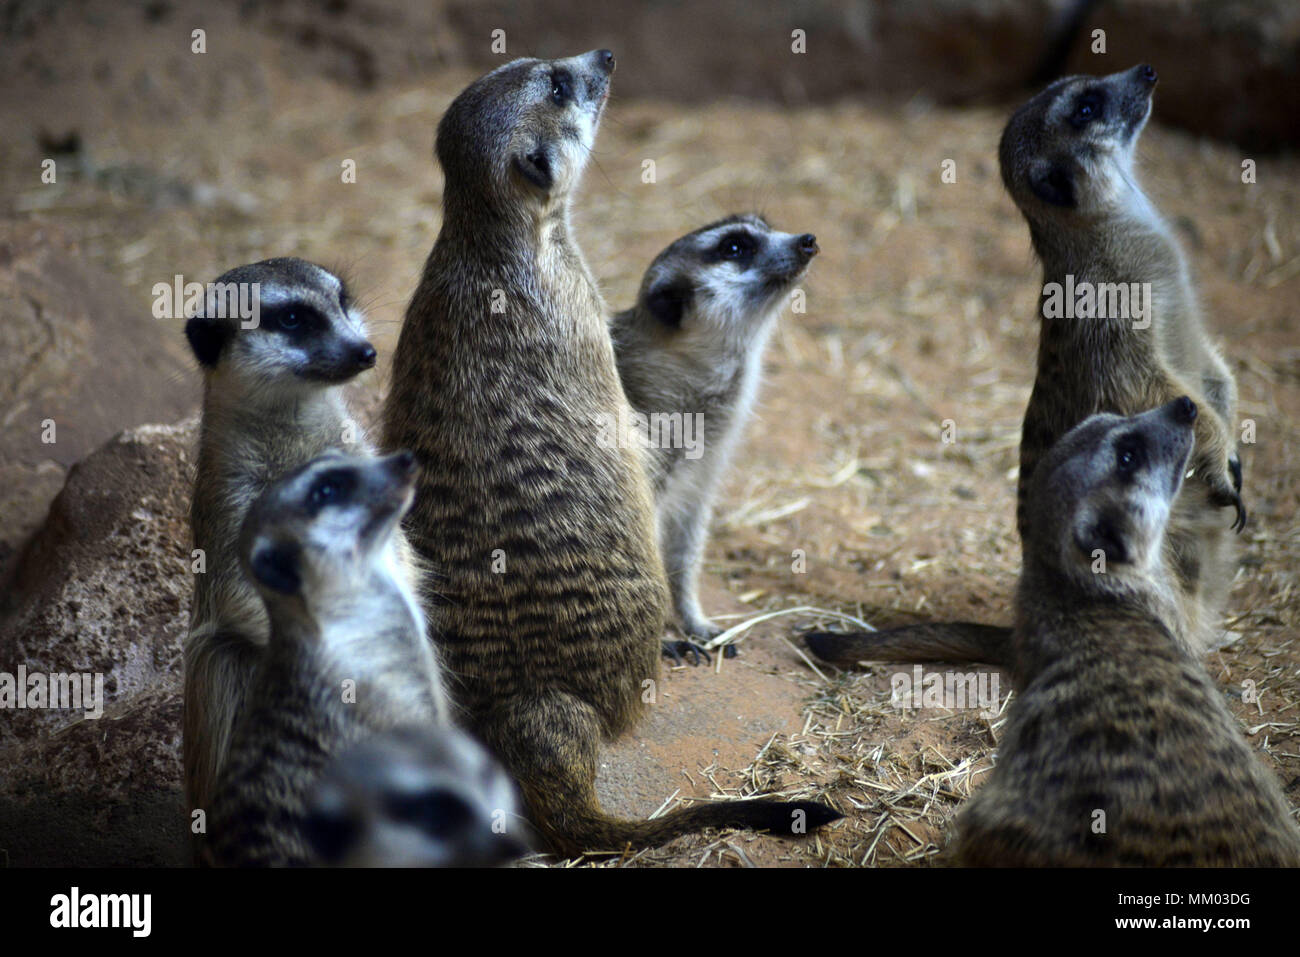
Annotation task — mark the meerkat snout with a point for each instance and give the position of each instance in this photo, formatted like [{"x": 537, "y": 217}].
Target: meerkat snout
[{"x": 597, "y": 85}]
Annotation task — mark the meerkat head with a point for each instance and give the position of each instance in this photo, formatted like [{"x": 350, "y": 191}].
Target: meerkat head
[
  {"x": 302, "y": 332},
  {"x": 524, "y": 131},
  {"x": 1070, "y": 148},
  {"x": 728, "y": 277},
  {"x": 318, "y": 535},
  {"x": 416, "y": 797},
  {"x": 1105, "y": 490}
]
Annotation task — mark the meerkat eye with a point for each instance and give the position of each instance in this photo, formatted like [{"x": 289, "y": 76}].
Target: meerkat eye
[
  {"x": 287, "y": 319},
  {"x": 1129, "y": 456},
  {"x": 1086, "y": 109},
  {"x": 329, "y": 489},
  {"x": 437, "y": 813},
  {"x": 292, "y": 319},
  {"x": 736, "y": 246},
  {"x": 323, "y": 493},
  {"x": 561, "y": 89}
]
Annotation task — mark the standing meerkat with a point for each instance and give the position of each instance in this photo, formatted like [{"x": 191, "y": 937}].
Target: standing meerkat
[
  {"x": 543, "y": 534},
  {"x": 272, "y": 400},
  {"x": 1067, "y": 159},
  {"x": 690, "y": 354},
  {"x": 1118, "y": 749},
  {"x": 347, "y": 661}
]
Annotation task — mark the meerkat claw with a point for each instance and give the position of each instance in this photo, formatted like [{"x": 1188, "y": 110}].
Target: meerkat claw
[
  {"x": 675, "y": 650},
  {"x": 1239, "y": 525},
  {"x": 1234, "y": 469}
]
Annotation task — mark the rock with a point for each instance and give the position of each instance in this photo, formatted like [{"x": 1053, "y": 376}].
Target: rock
[
  {"x": 103, "y": 588},
  {"x": 80, "y": 360}
]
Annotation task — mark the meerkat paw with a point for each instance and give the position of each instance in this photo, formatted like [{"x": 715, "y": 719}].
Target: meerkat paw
[
  {"x": 674, "y": 649},
  {"x": 702, "y": 630},
  {"x": 1225, "y": 498},
  {"x": 1225, "y": 487}
]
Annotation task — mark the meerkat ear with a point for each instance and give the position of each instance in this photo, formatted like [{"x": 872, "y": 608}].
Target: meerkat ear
[
  {"x": 207, "y": 338},
  {"x": 1053, "y": 183},
  {"x": 535, "y": 165},
  {"x": 276, "y": 565},
  {"x": 668, "y": 302},
  {"x": 1095, "y": 532}
]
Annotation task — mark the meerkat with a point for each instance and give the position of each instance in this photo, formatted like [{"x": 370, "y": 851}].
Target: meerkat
[
  {"x": 1067, "y": 159},
  {"x": 416, "y": 797},
  {"x": 551, "y": 595},
  {"x": 272, "y": 401},
  {"x": 690, "y": 353},
  {"x": 1119, "y": 749},
  {"x": 347, "y": 659}
]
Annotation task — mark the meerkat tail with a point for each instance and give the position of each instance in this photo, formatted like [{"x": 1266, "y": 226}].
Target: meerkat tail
[
  {"x": 549, "y": 745},
  {"x": 956, "y": 641}
]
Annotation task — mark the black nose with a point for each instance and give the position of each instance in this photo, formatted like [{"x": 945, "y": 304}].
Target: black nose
[
  {"x": 1148, "y": 73},
  {"x": 364, "y": 355},
  {"x": 808, "y": 245},
  {"x": 403, "y": 462},
  {"x": 606, "y": 59},
  {"x": 1184, "y": 410}
]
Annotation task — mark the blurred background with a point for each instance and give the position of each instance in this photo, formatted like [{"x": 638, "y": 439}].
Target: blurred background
[{"x": 830, "y": 116}]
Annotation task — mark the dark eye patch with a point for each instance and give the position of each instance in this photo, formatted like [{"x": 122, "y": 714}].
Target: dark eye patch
[
  {"x": 1088, "y": 107},
  {"x": 334, "y": 487},
  {"x": 296, "y": 320},
  {"x": 737, "y": 246},
  {"x": 1130, "y": 454},
  {"x": 436, "y": 813},
  {"x": 561, "y": 87}
]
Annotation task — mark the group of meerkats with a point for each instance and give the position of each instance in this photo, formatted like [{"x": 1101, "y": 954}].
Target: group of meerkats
[{"x": 412, "y": 658}]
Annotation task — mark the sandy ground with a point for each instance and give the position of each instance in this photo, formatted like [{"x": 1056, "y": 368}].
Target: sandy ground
[{"x": 919, "y": 309}]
